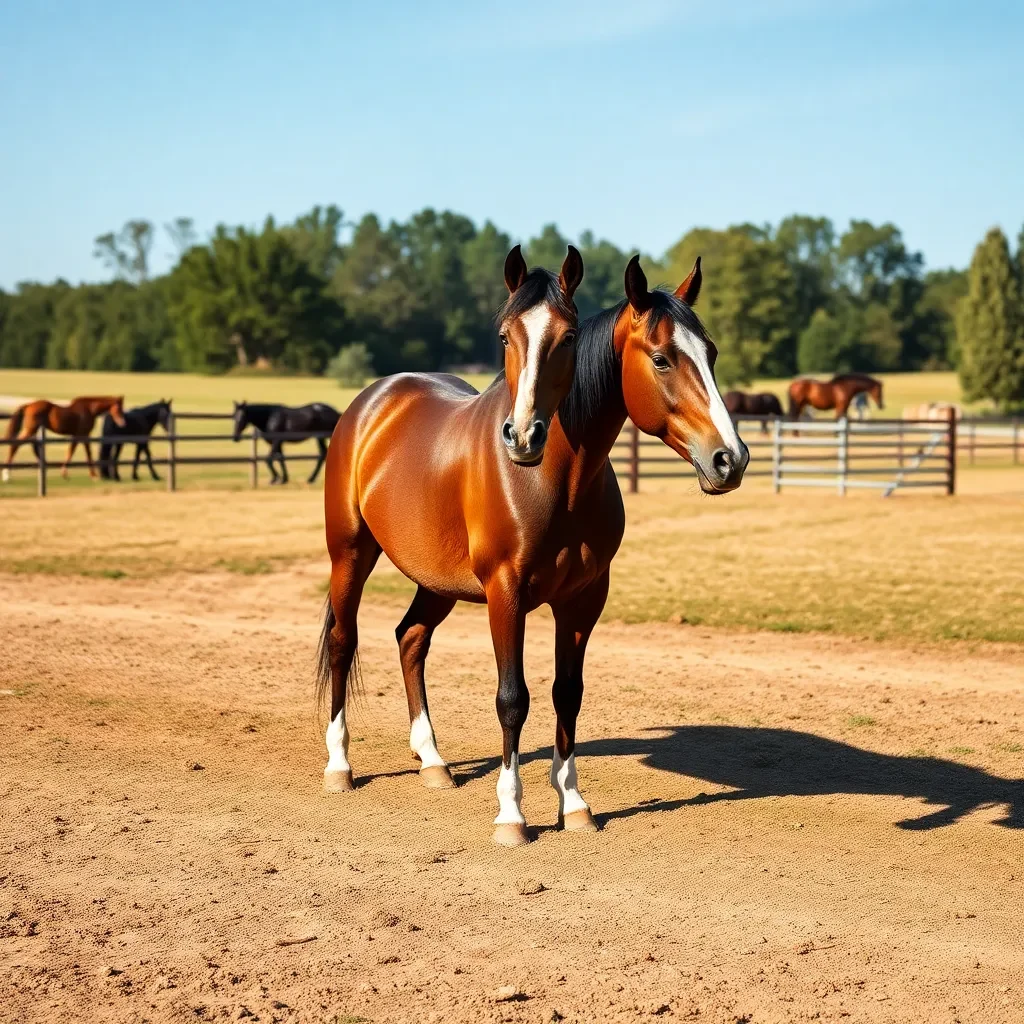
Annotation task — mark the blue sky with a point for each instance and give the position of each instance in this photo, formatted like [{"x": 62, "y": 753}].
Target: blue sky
[{"x": 638, "y": 119}]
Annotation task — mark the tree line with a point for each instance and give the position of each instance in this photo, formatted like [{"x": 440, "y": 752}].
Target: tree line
[{"x": 797, "y": 297}]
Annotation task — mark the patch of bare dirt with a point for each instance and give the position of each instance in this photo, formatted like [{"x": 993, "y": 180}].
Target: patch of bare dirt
[{"x": 793, "y": 827}]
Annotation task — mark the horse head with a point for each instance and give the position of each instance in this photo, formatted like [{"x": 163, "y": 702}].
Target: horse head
[
  {"x": 537, "y": 326},
  {"x": 668, "y": 380},
  {"x": 117, "y": 410},
  {"x": 241, "y": 419}
]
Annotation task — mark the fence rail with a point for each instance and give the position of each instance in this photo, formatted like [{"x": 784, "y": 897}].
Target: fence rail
[{"x": 811, "y": 453}]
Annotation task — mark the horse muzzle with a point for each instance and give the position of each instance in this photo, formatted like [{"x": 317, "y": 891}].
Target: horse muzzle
[
  {"x": 723, "y": 470},
  {"x": 525, "y": 450}
]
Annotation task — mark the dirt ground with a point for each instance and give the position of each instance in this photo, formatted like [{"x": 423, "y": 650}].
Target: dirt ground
[{"x": 794, "y": 827}]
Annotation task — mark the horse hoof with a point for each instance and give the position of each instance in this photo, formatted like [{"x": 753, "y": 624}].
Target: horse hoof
[
  {"x": 437, "y": 776},
  {"x": 338, "y": 782},
  {"x": 578, "y": 821},
  {"x": 511, "y": 834}
]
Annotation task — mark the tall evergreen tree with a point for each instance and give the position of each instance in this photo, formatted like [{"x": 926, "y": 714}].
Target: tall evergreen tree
[{"x": 990, "y": 326}]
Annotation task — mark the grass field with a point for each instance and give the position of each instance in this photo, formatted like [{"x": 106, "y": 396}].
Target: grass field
[{"x": 857, "y": 566}]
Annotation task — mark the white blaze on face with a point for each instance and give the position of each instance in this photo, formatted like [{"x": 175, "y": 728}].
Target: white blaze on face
[
  {"x": 421, "y": 741},
  {"x": 697, "y": 351},
  {"x": 563, "y": 778},
  {"x": 510, "y": 795},
  {"x": 337, "y": 745},
  {"x": 535, "y": 323}
]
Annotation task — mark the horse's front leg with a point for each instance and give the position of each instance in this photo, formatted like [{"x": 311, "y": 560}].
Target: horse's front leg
[
  {"x": 149, "y": 462},
  {"x": 270, "y": 464},
  {"x": 279, "y": 448},
  {"x": 574, "y": 622},
  {"x": 508, "y": 630}
]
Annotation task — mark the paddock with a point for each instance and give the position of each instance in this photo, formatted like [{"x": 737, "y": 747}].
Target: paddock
[{"x": 809, "y": 785}]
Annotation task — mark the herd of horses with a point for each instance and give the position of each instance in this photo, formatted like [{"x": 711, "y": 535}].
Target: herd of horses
[
  {"x": 278, "y": 424},
  {"x": 506, "y": 498}
]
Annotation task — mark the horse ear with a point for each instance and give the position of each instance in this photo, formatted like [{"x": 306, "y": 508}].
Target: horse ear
[
  {"x": 637, "y": 292},
  {"x": 515, "y": 269},
  {"x": 572, "y": 272},
  {"x": 690, "y": 288}
]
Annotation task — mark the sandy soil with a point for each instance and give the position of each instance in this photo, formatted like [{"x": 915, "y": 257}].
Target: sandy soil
[{"x": 794, "y": 827}]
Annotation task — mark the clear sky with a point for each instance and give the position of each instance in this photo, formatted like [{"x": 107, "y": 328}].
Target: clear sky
[{"x": 636, "y": 118}]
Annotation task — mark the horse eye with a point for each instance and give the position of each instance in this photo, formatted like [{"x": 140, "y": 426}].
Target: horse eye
[
  {"x": 570, "y": 338},
  {"x": 504, "y": 339},
  {"x": 660, "y": 362}
]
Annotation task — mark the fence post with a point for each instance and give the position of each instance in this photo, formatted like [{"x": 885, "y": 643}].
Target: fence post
[
  {"x": 951, "y": 477},
  {"x": 41, "y": 485},
  {"x": 777, "y": 455},
  {"x": 844, "y": 440},
  {"x": 172, "y": 453},
  {"x": 634, "y": 458},
  {"x": 254, "y": 465}
]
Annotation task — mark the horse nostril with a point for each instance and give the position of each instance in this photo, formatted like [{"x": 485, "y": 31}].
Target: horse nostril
[
  {"x": 722, "y": 460},
  {"x": 508, "y": 435},
  {"x": 538, "y": 435}
]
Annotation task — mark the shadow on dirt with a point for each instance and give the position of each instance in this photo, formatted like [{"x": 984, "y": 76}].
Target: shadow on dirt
[{"x": 760, "y": 762}]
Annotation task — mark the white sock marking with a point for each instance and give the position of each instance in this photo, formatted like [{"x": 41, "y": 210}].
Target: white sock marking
[
  {"x": 337, "y": 745},
  {"x": 563, "y": 778},
  {"x": 535, "y": 323},
  {"x": 510, "y": 793},
  {"x": 696, "y": 350},
  {"x": 7, "y": 475},
  {"x": 422, "y": 742}
]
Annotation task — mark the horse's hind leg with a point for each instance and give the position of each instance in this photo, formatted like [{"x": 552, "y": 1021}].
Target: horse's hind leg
[
  {"x": 67, "y": 461},
  {"x": 320, "y": 460},
  {"x": 350, "y": 568},
  {"x": 279, "y": 448},
  {"x": 427, "y": 611},
  {"x": 574, "y": 622}
]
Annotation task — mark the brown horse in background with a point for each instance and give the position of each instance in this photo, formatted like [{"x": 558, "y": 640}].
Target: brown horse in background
[
  {"x": 742, "y": 403},
  {"x": 836, "y": 393},
  {"x": 508, "y": 498},
  {"x": 74, "y": 420}
]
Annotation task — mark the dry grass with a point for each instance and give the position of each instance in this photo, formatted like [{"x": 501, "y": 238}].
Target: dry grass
[{"x": 913, "y": 567}]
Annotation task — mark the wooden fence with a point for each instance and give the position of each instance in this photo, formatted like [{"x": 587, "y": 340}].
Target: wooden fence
[{"x": 871, "y": 453}]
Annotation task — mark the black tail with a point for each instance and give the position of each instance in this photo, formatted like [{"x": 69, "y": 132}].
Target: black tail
[{"x": 323, "y": 661}]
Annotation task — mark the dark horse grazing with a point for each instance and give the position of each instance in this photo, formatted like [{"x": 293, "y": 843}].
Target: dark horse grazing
[
  {"x": 74, "y": 420},
  {"x": 836, "y": 393},
  {"x": 302, "y": 423},
  {"x": 741, "y": 403},
  {"x": 508, "y": 498},
  {"x": 137, "y": 423}
]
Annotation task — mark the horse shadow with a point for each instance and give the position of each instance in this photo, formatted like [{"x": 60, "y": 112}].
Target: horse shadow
[{"x": 763, "y": 762}]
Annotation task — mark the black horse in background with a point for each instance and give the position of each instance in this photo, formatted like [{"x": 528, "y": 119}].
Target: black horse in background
[
  {"x": 137, "y": 422},
  {"x": 743, "y": 403},
  {"x": 298, "y": 424}
]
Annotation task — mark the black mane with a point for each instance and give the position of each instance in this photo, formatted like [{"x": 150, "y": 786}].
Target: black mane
[
  {"x": 854, "y": 375},
  {"x": 597, "y": 374}
]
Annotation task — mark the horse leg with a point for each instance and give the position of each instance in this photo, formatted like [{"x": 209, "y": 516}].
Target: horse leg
[
  {"x": 149, "y": 462},
  {"x": 508, "y": 631},
  {"x": 574, "y": 622},
  {"x": 115, "y": 458},
  {"x": 320, "y": 460},
  {"x": 279, "y": 447},
  {"x": 348, "y": 576},
  {"x": 88, "y": 458},
  {"x": 71, "y": 451},
  {"x": 135, "y": 462},
  {"x": 271, "y": 466},
  {"x": 427, "y": 611}
]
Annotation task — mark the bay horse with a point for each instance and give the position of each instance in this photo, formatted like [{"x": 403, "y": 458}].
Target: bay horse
[
  {"x": 305, "y": 421},
  {"x": 742, "y": 403},
  {"x": 74, "y": 420},
  {"x": 138, "y": 422},
  {"x": 836, "y": 393},
  {"x": 508, "y": 498}
]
